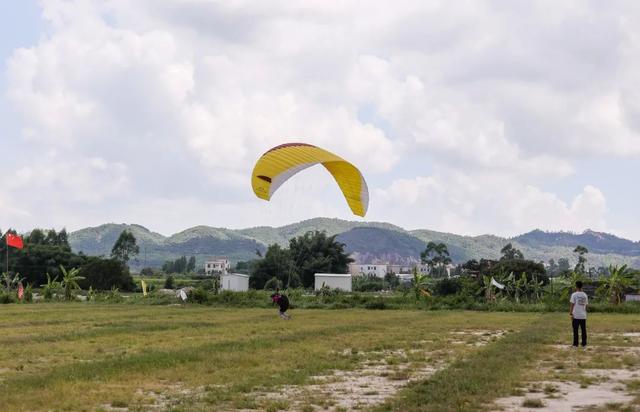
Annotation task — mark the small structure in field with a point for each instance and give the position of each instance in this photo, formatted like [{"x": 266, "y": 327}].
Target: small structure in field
[
  {"x": 632, "y": 297},
  {"x": 333, "y": 280},
  {"x": 234, "y": 281}
]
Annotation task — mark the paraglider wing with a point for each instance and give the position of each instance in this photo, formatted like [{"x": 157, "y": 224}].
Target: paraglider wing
[{"x": 280, "y": 163}]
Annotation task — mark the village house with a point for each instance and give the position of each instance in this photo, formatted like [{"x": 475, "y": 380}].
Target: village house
[{"x": 217, "y": 266}]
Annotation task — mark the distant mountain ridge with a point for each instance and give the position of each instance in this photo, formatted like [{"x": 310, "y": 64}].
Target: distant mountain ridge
[{"x": 366, "y": 241}]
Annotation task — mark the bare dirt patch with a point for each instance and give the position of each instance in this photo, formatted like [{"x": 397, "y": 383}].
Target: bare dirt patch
[
  {"x": 600, "y": 389},
  {"x": 379, "y": 376}
]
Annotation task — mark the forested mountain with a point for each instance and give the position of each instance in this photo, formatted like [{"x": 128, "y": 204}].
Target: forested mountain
[{"x": 368, "y": 242}]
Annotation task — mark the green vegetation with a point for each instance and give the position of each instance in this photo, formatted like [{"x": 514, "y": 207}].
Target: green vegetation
[
  {"x": 312, "y": 253},
  {"x": 61, "y": 356},
  {"x": 125, "y": 247},
  {"x": 389, "y": 240},
  {"x": 470, "y": 383},
  {"x": 199, "y": 358},
  {"x": 180, "y": 265}
]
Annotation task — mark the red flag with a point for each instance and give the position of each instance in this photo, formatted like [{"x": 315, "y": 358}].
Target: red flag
[
  {"x": 14, "y": 241},
  {"x": 20, "y": 291}
]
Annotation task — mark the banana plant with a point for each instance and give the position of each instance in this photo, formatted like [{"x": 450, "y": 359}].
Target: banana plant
[
  {"x": 568, "y": 283},
  {"x": 536, "y": 288},
  {"x": 420, "y": 284},
  {"x": 11, "y": 283},
  {"x": 70, "y": 281},
  {"x": 486, "y": 288},
  {"x": 612, "y": 287},
  {"x": 51, "y": 287}
]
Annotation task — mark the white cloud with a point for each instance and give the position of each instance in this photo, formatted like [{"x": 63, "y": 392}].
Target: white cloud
[
  {"x": 487, "y": 203},
  {"x": 169, "y": 103}
]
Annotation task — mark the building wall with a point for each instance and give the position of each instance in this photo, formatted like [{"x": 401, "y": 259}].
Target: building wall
[
  {"x": 368, "y": 269},
  {"x": 334, "y": 281},
  {"x": 235, "y": 282},
  {"x": 218, "y": 266}
]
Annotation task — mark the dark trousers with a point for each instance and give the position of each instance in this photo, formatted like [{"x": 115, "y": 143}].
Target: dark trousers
[{"x": 582, "y": 324}]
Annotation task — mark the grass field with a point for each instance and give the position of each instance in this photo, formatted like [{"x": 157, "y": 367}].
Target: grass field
[{"x": 129, "y": 357}]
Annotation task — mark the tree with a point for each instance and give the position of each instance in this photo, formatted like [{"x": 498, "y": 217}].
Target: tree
[
  {"x": 245, "y": 267},
  {"x": 276, "y": 263},
  {"x": 563, "y": 266},
  {"x": 553, "y": 268},
  {"x": 436, "y": 256},
  {"x": 392, "y": 280},
  {"x": 613, "y": 287},
  {"x": 104, "y": 274},
  {"x": 532, "y": 270},
  {"x": 125, "y": 247},
  {"x": 52, "y": 238},
  {"x": 448, "y": 286},
  {"x": 42, "y": 254},
  {"x": 70, "y": 281},
  {"x": 36, "y": 237},
  {"x": 479, "y": 269},
  {"x": 168, "y": 282},
  {"x": 191, "y": 265},
  {"x": 315, "y": 252},
  {"x": 63, "y": 239},
  {"x": 510, "y": 253},
  {"x": 582, "y": 260}
]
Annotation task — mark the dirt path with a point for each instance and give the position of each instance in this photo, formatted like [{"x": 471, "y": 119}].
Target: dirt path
[{"x": 604, "y": 377}]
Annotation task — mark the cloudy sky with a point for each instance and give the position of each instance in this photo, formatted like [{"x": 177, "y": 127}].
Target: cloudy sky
[{"x": 470, "y": 116}]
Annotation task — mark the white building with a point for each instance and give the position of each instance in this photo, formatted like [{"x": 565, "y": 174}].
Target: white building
[
  {"x": 367, "y": 270},
  {"x": 218, "y": 266},
  {"x": 234, "y": 281},
  {"x": 400, "y": 269},
  {"x": 333, "y": 280}
]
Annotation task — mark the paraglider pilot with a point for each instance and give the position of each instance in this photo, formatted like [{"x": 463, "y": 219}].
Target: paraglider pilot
[{"x": 283, "y": 303}]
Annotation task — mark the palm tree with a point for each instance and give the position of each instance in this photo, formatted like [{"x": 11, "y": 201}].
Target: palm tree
[
  {"x": 440, "y": 256},
  {"x": 619, "y": 280},
  {"x": 582, "y": 260},
  {"x": 70, "y": 281}
]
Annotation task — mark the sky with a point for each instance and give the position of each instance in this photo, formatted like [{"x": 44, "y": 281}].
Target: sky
[{"x": 470, "y": 117}]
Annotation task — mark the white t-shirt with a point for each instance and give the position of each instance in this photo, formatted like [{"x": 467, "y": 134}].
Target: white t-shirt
[{"x": 580, "y": 301}]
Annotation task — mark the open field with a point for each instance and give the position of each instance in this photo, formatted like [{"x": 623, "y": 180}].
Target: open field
[{"x": 133, "y": 357}]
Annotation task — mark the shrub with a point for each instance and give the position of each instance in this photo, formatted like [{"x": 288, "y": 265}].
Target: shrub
[
  {"x": 6, "y": 298},
  {"x": 445, "y": 287},
  {"x": 273, "y": 284},
  {"x": 103, "y": 274},
  {"x": 28, "y": 293},
  {"x": 377, "y": 304},
  {"x": 169, "y": 283},
  {"x": 367, "y": 283},
  {"x": 198, "y": 295}
]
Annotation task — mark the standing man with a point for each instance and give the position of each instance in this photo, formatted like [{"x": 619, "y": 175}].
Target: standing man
[{"x": 578, "y": 312}]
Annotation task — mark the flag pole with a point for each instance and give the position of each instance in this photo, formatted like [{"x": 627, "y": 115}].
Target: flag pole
[{"x": 6, "y": 245}]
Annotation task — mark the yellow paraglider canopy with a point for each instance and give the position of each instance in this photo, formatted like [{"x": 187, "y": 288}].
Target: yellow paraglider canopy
[{"x": 280, "y": 163}]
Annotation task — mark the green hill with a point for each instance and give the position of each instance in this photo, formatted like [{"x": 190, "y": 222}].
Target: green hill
[{"x": 367, "y": 241}]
